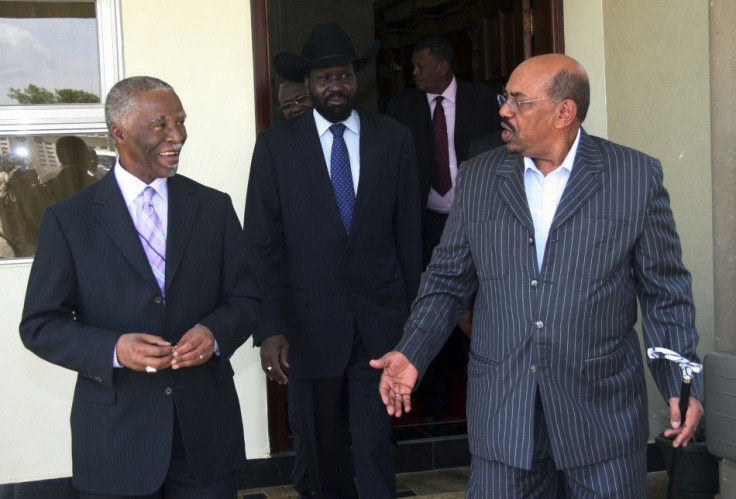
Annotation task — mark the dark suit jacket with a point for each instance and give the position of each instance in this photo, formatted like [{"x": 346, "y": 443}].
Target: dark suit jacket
[
  {"x": 567, "y": 331},
  {"x": 91, "y": 282},
  {"x": 319, "y": 283},
  {"x": 485, "y": 143},
  {"x": 476, "y": 114}
]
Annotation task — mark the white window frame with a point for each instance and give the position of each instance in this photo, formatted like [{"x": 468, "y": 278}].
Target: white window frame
[{"x": 77, "y": 118}]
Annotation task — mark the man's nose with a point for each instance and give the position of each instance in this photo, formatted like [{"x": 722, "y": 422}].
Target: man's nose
[
  {"x": 504, "y": 111},
  {"x": 176, "y": 135}
]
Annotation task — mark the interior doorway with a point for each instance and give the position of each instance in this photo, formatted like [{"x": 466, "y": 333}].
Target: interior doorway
[{"x": 490, "y": 38}]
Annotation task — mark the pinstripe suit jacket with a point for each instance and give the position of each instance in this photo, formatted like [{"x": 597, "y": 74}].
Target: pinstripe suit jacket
[
  {"x": 320, "y": 283},
  {"x": 567, "y": 331},
  {"x": 91, "y": 282}
]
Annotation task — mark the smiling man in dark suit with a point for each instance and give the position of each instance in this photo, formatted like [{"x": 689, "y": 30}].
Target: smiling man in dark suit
[
  {"x": 332, "y": 227},
  {"x": 140, "y": 284},
  {"x": 558, "y": 235}
]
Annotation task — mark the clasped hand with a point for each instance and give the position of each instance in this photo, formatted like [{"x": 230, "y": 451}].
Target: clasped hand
[{"x": 148, "y": 352}]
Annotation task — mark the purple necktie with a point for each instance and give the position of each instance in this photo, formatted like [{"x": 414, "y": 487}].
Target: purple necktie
[
  {"x": 441, "y": 181},
  {"x": 152, "y": 237}
]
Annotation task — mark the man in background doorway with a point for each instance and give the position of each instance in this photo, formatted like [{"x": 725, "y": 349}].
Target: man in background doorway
[
  {"x": 444, "y": 114},
  {"x": 294, "y": 100}
]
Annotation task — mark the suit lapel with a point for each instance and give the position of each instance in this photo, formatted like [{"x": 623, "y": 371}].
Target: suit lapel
[
  {"x": 183, "y": 206},
  {"x": 307, "y": 141},
  {"x": 370, "y": 168},
  {"x": 583, "y": 181},
  {"x": 512, "y": 189},
  {"x": 114, "y": 219}
]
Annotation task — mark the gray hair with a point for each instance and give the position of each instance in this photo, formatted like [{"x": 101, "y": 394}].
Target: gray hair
[
  {"x": 120, "y": 101},
  {"x": 570, "y": 85}
]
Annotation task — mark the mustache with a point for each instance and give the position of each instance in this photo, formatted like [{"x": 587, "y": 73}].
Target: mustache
[
  {"x": 335, "y": 94},
  {"x": 505, "y": 121}
]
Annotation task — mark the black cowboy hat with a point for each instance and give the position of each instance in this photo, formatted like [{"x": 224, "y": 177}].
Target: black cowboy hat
[{"x": 327, "y": 45}]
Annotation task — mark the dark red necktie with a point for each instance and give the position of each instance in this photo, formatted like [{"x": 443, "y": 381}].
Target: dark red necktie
[{"x": 441, "y": 180}]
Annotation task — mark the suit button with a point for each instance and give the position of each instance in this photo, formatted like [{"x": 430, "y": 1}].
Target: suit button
[
  {"x": 539, "y": 324},
  {"x": 168, "y": 390},
  {"x": 535, "y": 283},
  {"x": 533, "y": 369},
  {"x": 531, "y": 240},
  {"x": 158, "y": 300}
]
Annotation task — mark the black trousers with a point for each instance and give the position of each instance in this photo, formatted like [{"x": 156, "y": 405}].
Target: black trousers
[
  {"x": 344, "y": 418},
  {"x": 180, "y": 482}
]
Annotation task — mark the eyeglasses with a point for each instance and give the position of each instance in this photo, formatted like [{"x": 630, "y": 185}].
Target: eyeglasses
[
  {"x": 298, "y": 102},
  {"x": 515, "y": 104}
]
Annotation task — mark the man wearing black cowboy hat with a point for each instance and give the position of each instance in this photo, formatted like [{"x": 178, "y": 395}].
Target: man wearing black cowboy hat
[{"x": 332, "y": 224}]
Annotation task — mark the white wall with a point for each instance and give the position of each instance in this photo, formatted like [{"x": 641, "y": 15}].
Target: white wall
[
  {"x": 583, "y": 21},
  {"x": 206, "y": 54},
  {"x": 648, "y": 64}
]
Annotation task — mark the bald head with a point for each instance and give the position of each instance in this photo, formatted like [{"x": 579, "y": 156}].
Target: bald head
[{"x": 560, "y": 76}]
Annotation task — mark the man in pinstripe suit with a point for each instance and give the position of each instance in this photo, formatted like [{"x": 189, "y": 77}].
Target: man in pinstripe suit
[{"x": 558, "y": 234}]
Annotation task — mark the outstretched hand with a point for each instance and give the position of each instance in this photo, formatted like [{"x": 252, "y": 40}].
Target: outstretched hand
[{"x": 397, "y": 381}]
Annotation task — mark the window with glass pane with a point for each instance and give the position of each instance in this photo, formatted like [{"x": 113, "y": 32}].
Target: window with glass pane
[
  {"x": 58, "y": 59},
  {"x": 37, "y": 171},
  {"x": 48, "y": 53}
]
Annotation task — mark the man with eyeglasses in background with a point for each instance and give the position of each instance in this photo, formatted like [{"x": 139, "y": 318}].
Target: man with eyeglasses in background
[
  {"x": 332, "y": 227},
  {"x": 558, "y": 235},
  {"x": 293, "y": 99},
  {"x": 293, "y": 102}
]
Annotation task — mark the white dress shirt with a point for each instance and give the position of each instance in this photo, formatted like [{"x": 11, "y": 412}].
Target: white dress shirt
[
  {"x": 543, "y": 193},
  {"x": 436, "y": 202},
  {"x": 132, "y": 187},
  {"x": 352, "y": 141}
]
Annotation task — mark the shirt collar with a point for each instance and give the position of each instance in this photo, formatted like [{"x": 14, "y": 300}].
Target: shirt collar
[
  {"x": 566, "y": 163},
  {"x": 131, "y": 186},
  {"x": 352, "y": 122},
  {"x": 449, "y": 93}
]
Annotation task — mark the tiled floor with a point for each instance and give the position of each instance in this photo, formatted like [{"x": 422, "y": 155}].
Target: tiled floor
[{"x": 439, "y": 484}]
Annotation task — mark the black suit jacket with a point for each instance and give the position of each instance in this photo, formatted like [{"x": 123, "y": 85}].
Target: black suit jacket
[
  {"x": 485, "y": 143},
  {"x": 476, "y": 114},
  {"x": 91, "y": 282},
  {"x": 319, "y": 283}
]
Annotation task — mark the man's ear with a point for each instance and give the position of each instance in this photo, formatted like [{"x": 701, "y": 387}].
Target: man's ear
[
  {"x": 567, "y": 113},
  {"x": 444, "y": 67},
  {"x": 117, "y": 133}
]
